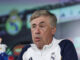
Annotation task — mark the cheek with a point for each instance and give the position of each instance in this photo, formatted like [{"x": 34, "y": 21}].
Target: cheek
[
  {"x": 32, "y": 35},
  {"x": 33, "y": 38},
  {"x": 32, "y": 32},
  {"x": 47, "y": 34}
]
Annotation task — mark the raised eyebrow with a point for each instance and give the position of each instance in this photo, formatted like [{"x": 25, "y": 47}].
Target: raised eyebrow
[
  {"x": 39, "y": 23},
  {"x": 33, "y": 24},
  {"x": 42, "y": 22}
]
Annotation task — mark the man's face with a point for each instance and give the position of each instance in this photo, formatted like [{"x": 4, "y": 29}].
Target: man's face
[{"x": 42, "y": 31}]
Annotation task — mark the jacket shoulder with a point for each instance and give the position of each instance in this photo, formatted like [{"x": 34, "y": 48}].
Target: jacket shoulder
[{"x": 68, "y": 51}]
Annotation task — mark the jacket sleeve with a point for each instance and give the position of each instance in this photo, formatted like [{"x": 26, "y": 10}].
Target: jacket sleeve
[
  {"x": 68, "y": 51},
  {"x": 22, "y": 52}
]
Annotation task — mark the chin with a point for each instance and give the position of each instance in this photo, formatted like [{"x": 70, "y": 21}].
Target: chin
[{"x": 39, "y": 46}]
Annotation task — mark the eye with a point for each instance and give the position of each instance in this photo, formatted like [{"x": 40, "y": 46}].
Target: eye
[
  {"x": 42, "y": 26},
  {"x": 33, "y": 26}
]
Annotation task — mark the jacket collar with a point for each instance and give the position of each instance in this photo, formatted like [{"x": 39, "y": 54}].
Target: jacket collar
[{"x": 53, "y": 43}]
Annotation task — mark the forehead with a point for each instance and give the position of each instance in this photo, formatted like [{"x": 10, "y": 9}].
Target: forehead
[{"x": 41, "y": 19}]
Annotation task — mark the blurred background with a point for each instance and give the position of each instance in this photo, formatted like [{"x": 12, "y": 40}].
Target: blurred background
[{"x": 15, "y": 27}]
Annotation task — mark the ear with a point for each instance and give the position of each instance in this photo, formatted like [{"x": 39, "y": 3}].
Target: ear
[{"x": 53, "y": 30}]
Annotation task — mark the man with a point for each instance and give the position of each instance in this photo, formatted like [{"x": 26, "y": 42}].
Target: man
[{"x": 45, "y": 47}]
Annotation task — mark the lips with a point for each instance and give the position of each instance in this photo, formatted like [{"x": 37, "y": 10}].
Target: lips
[{"x": 37, "y": 39}]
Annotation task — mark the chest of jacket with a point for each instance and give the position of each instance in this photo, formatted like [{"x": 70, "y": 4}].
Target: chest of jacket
[{"x": 52, "y": 53}]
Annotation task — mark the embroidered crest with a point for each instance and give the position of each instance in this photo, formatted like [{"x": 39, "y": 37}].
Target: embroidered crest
[
  {"x": 30, "y": 58},
  {"x": 53, "y": 56}
]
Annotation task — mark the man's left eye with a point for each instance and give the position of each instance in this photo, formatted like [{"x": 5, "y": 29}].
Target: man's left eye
[{"x": 41, "y": 26}]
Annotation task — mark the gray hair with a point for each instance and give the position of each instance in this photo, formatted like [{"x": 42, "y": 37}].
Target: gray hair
[{"x": 38, "y": 13}]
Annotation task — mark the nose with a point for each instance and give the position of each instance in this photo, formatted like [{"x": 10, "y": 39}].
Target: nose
[{"x": 37, "y": 31}]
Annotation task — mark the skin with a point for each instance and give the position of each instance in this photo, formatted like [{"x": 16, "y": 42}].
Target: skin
[
  {"x": 0, "y": 40},
  {"x": 42, "y": 31}
]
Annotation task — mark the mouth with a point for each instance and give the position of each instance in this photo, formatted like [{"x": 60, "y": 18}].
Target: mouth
[{"x": 37, "y": 39}]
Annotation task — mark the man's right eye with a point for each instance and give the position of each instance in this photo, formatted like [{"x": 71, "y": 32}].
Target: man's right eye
[{"x": 33, "y": 26}]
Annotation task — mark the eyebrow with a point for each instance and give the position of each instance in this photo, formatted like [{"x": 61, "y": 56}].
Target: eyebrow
[
  {"x": 33, "y": 24},
  {"x": 42, "y": 22},
  {"x": 39, "y": 23}
]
